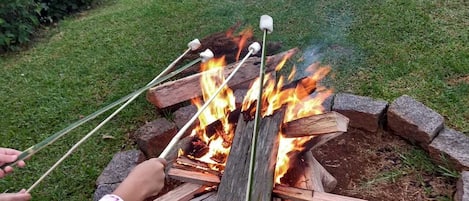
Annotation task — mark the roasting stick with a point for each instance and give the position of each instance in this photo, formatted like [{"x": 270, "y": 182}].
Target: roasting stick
[
  {"x": 253, "y": 49},
  {"x": 193, "y": 45},
  {"x": 267, "y": 26}
]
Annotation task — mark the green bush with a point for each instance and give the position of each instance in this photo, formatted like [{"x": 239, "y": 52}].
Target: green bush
[
  {"x": 54, "y": 10},
  {"x": 18, "y": 20}
]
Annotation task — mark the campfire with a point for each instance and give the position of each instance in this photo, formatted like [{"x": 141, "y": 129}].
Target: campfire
[{"x": 215, "y": 161}]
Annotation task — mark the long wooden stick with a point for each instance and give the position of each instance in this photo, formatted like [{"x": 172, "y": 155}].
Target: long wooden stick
[
  {"x": 206, "y": 104},
  {"x": 156, "y": 80},
  {"x": 265, "y": 27}
]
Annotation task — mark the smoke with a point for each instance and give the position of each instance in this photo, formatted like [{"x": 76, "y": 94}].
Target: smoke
[{"x": 330, "y": 43}]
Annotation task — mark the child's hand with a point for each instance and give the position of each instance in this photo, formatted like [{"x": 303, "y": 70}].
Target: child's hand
[
  {"x": 145, "y": 180},
  {"x": 20, "y": 196},
  {"x": 7, "y": 156}
]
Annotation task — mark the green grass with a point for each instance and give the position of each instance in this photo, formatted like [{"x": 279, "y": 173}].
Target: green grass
[{"x": 382, "y": 49}]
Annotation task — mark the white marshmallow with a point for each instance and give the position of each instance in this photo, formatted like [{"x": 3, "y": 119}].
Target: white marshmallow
[
  {"x": 194, "y": 44},
  {"x": 206, "y": 55},
  {"x": 254, "y": 47},
  {"x": 266, "y": 23}
]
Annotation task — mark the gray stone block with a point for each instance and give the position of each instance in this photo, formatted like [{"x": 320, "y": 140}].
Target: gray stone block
[
  {"x": 364, "y": 112},
  {"x": 452, "y": 146},
  {"x": 184, "y": 114},
  {"x": 462, "y": 187},
  {"x": 103, "y": 190},
  {"x": 119, "y": 167},
  {"x": 327, "y": 104},
  {"x": 414, "y": 121},
  {"x": 153, "y": 137},
  {"x": 115, "y": 172}
]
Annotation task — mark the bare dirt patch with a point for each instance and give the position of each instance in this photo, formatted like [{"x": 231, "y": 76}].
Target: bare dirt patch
[{"x": 373, "y": 166}]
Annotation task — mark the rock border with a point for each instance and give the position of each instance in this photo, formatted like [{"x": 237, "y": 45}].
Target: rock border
[{"x": 405, "y": 117}]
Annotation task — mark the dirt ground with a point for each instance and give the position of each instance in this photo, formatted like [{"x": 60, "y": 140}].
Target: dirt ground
[{"x": 370, "y": 166}]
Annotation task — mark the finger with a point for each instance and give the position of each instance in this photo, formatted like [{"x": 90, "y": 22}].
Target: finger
[
  {"x": 162, "y": 161},
  {"x": 2, "y": 174},
  {"x": 21, "y": 164},
  {"x": 8, "y": 169},
  {"x": 7, "y": 158},
  {"x": 8, "y": 151}
]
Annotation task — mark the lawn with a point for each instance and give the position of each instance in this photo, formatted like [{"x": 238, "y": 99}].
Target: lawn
[{"x": 382, "y": 49}]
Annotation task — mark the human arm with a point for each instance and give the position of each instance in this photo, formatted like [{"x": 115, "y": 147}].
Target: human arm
[
  {"x": 20, "y": 196},
  {"x": 145, "y": 180}
]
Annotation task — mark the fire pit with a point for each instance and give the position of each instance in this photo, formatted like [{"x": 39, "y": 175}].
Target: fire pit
[
  {"x": 293, "y": 124},
  {"x": 211, "y": 160}
]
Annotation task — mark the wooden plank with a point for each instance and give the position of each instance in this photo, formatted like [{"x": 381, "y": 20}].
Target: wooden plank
[
  {"x": 184, "y": 192},
  {"x": 205, "y": 179},
  {"x": 234, "y": 181},
  {"x": 293, "y": 194},
  {"x": 184, "y": 89},
  {"x": 322, "y": 196},
  {"x": 212, "y": 196},
  {"x": 297, "y": 194},
  {"x": 330, "y": 122}
]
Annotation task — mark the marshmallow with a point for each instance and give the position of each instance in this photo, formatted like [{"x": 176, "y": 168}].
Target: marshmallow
[
  {"x": 254, "y": 47},
  {"x": 206, "y": 55},
  {"x": 194, "y": 44},
  {"x": 266, "y": 23}
]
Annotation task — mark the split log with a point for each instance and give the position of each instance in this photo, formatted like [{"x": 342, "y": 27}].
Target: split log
[
  {"x": 315, "y": 176},
  {"x": 330, "y": 122},
  {"x": 184, "y": 89},
  {"x": 234, "y": 180},
  {"x": 297, "y": 194},
  {"x": 184, "y": 163},
  {"x": 184, "y": 192},
  {"x": 201, "y": 178}
]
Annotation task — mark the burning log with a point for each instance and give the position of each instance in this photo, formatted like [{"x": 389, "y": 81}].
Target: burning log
[
  {"x": 330, "y": 122},
  {"x": 297, "y": 194},
  {"x": 182, "y": 193},
  {"x": 185, "y": 163},
  {"x": 184, "y": 89},
  {"x": 195, "y": 177},
  {"x": 234, "y": 180}
]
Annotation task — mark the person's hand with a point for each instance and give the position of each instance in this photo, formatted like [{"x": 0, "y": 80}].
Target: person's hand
[
  {"x": 145, "y": 180},
  {"x": 7, "y": 156},
  {"x": 20, "y": 196}
]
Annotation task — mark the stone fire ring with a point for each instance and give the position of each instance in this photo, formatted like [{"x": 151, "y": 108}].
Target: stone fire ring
[{"x": 405, "y": 117}]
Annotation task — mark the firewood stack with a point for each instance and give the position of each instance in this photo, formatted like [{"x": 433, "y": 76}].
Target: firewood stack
[{"x": 306, "y": 179}]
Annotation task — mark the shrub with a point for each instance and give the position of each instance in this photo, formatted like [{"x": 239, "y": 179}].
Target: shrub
[
  {"x": 18, "y": 20},
  {"x": 54, "y": 10}
]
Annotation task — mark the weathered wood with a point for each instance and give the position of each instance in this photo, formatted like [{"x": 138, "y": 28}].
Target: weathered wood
[
  {"x": 293, "y": 194},
  {"x": 315, "y": 176},
  {"x": 330, "y": 122},
  {"x": 184, "y": 89},
  {"x": 184, "y": 192},
  {"x": 319, "y": 140},
  {"x": 205, "y": 179},
  {"x": 185, "y": 163},
  {"x": 234, "y": 180},
  {"x": 297, "y": 194},
  {"x": 211, "y": 196}
]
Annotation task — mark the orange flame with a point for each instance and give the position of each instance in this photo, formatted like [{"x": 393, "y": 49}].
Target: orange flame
[
  {"x": 219, "y": 109},
  {"x": 295, "y": 97},
  {"x": 298, "y": 104},
  {"x": 246, "y": 34}
]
